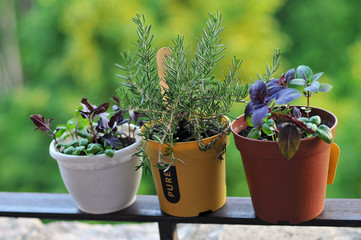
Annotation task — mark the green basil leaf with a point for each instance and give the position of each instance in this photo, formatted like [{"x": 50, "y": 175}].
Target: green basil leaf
[
  {"x": 315, "y": 120},
  {"x": 304, "y": 72},
  {"x": 109, "y": 152},
  {"x": 94, "y": 148},
  {"x": 69, "y": 150},
  {"x": 298, "y": 81},
  {"x": 83, "y": 142},
  {"x": 78, "y": 150},
  {"x": 254, "y": 133},
  {"x": 267, "y": 129},
  {"x": 324, "y": 133},
  {"x": 249, "y": 121}
]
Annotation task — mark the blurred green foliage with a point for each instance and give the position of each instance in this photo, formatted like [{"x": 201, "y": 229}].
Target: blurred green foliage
[{"x": 68, "y": 49}]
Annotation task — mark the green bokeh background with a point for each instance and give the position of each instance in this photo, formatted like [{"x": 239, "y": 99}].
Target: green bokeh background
[{"x": 54, "y": 52}]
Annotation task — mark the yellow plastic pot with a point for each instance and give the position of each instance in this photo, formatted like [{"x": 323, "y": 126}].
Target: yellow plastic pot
[{"x": 194, "y": 186}]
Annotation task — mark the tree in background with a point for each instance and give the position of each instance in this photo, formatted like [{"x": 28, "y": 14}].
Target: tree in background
[
  {"x": 326, "y": 35},
  {"x": 68, "y": 49}
]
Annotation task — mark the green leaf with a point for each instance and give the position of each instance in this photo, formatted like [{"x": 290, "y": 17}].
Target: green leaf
[
  {"x": 298, "y": 81},
  {"x": 60, "y": 131},
  {"x": 303, "y": 119},
  {"x": 315, "y": 120},
  {"x": 288, "y": 140},
  {"x": 267, "y": 129},
  {"x": 304, "y": 71},
  {"x": 249, "y": 121},
  {"x": 270, "y": 122},
  {"x": 316, "y": 76},
  {"x": 109, "y": 152},
  {"x": 84, "y": 133},
  {"x": 94, "y": 148},
  {"x": 83, "y": 142},
  {"x": 254, "y": 133},
  {"x": 74, "y": 143},
  {"x": 312, "y": 126},
  {"x": 324, "y": 133},
  {"x": 59, "y": 145},
  {"x": 78, "y": 150},
  {"x": 325, "y": 87},
  {"x": 69, "y": 150}
]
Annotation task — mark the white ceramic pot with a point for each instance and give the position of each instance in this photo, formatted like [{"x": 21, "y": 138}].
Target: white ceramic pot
[{"x": 100, "y": 184}]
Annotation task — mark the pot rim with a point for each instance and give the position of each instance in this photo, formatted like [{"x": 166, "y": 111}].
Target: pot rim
[
  {"x": 272, "y": 142},
  {"x": 194, "y": 141}
]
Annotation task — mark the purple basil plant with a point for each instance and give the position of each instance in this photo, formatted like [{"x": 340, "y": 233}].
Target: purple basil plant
[
  {"x": 93, "y": 131},
  {"x": 271, "y": 116}
]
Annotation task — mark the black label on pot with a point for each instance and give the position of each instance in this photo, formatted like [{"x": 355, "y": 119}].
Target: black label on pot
[{"x": 170, "y": 184}]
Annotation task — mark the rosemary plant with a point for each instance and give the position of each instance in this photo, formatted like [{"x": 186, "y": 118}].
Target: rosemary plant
[{"x": 194, "y": 104}]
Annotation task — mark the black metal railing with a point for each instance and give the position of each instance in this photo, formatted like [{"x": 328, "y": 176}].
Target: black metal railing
[{"x": 237, "y": 210}]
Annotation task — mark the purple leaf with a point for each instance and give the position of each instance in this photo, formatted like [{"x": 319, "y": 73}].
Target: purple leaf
[
  {"x": 115, "y": 99},
  {"x": 112, "y": 141},
  {"x": 288, "y": 139},
  {"x": 115, "y": 108},
  {"x": 287, "y": 95},
  {"x": 258, "y": 92},
  {"x": 297, "y": 112},
  {"x": 290, "y": 74},
  {"x": 272, "y": 83},
  {"x": 41, "y": 123},
  {"x": 116, "y": 118},
  {"x": 249, "y": 110},
  {"x": 314, "y": 87},
  {"x": 101, "y": 109},
  {"x": 103, "y": 123},
  {"x": 87, "y": 106},
  {"x": 134, "y": 115},
  {"x": 324, "y": 87},
  {"x": 89, "y": 109},
  {"x": 124, "y": 121},
  {"x": 273, "y": 92},
  {"x": 259, "y": 115}
]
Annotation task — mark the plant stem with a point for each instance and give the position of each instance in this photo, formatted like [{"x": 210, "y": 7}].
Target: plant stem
[
  {"x": 308, "y": 104},
  {"x": 54, "y": 137},
  {"x": 92, "y": 129}
]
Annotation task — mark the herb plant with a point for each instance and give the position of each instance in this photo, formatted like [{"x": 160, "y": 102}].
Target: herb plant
[
  {"x": 92, "y": 131},
  {"x": 193, "y": 105},
  {"x": 270, "y": 114}
]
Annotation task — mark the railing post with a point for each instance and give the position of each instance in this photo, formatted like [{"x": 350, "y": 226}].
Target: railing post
[{"x": 167, "y": 230}]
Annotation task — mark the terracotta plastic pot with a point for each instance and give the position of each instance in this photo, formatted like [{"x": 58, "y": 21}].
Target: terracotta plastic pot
[
  {"x": 194, "y": 186},
  {"x": 100, "y": 184},
  {"x": 288, "y": 190}
]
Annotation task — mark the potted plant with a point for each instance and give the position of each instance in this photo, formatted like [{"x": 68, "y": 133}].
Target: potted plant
[
  {"x": 185, "y": 106},
  {"x": 95, "y": 152},
  {"x": 286, "y": 149}
]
